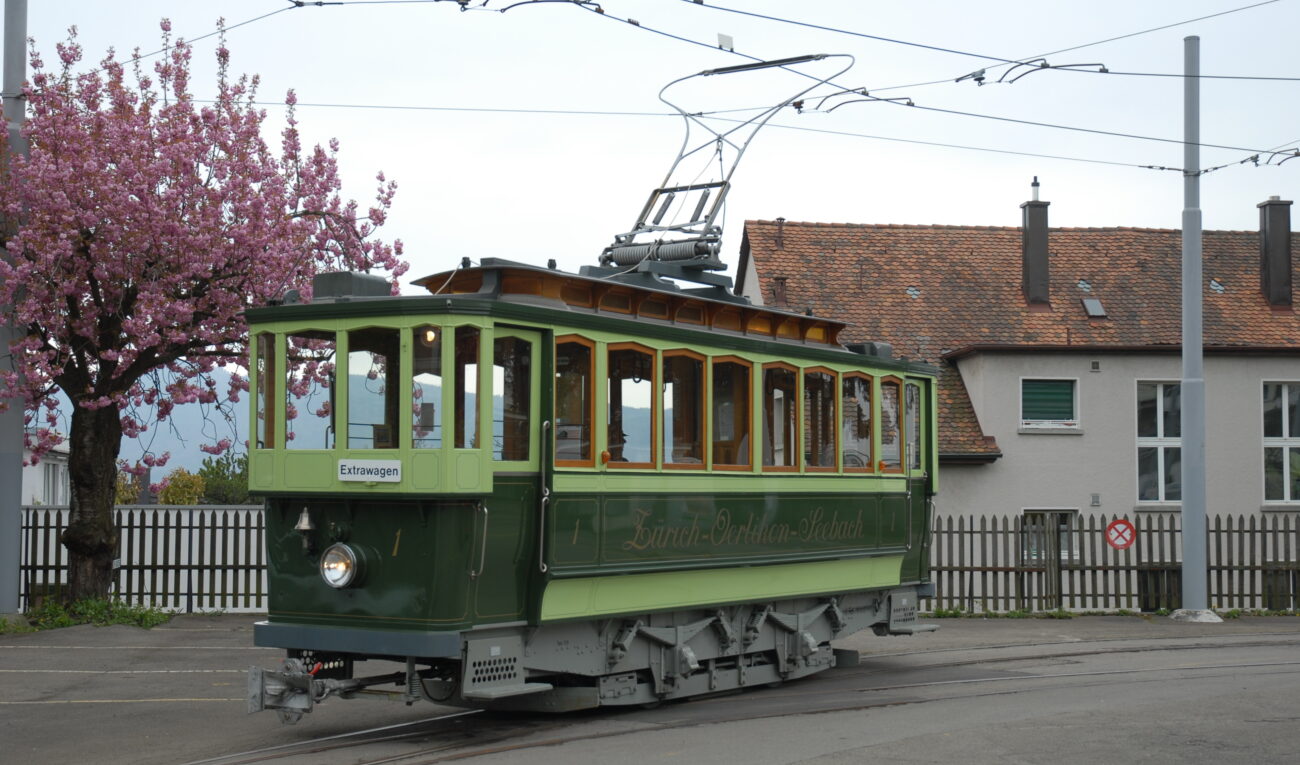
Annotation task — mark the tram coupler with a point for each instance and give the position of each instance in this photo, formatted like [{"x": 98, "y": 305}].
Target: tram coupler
[
  {"x": 290, "y": 691},
  {"x": 294, "y": 690}
]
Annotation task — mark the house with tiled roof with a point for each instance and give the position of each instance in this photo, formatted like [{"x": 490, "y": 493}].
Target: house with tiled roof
[{"x": 1060, "y": 352}]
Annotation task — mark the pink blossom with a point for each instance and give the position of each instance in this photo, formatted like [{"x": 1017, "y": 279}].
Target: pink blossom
[{"x": 150, "y": 224}]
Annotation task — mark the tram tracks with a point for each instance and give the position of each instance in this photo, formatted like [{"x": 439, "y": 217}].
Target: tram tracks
[{"x": 484, "y": 734}]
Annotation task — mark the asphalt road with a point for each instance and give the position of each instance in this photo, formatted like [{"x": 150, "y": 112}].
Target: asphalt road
[{"x": 1090, "y": 689}]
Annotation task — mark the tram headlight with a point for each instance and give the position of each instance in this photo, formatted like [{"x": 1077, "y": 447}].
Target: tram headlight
[{"x": 340, "y": 566}]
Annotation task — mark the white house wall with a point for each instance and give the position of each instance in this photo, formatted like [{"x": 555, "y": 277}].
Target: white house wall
[{"x": 1064, "y": 470}]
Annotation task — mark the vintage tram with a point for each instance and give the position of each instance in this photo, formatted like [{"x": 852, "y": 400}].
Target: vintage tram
[{"x": 539, "y": 490}]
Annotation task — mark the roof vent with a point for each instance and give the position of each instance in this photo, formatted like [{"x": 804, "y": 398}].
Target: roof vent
[
  {"x": 340, "y": 286},
  {"x": 1085, "y": 285},
  {"x": 1218, "y": 286}
]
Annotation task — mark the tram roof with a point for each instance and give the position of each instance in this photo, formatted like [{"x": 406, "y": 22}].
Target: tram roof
[{"x": 647, "y": 298}]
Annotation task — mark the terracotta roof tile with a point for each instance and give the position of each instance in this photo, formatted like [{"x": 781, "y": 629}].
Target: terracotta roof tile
[{"x": 932, "y": 291}]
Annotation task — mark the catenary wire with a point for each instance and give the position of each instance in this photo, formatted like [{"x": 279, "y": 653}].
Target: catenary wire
[
  {"x": 1006, "y": 61},
  {"x": 1032, "y": 123}
]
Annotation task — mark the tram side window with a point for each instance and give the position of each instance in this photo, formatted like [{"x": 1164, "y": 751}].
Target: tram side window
[
  {"x": 631, "y": 406},
  {"x": 373, "y": 357},
  {"x": 309, "y": 390},
  {"x": 731, "y": 414},
  {"x": 266, "y": 377},
  {"x": 891, "y": 436},
  {"x": 466, "y": 387},
  {"x": 511, "y": 377},
  {"x": 426, "y": 388},
  {"x": 683, "y": 392},
  {"x": 819, "y": 419},
  {"x": 780, "y": 417},
  {"x": 573, "y": 401},
  {"x": 912, "y": 431},
  {"x": 855, "y": 422}
]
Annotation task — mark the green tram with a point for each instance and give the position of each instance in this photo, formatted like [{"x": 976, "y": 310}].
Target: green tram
[{"x": 537, "y": 490}]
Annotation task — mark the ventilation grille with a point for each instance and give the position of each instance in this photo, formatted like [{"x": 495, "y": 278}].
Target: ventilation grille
[{"x": 502, "y": 668}]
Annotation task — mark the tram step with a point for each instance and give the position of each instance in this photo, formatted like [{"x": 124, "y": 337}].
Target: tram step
[
  {"x": 912, "y": 629},
  {"x": 505, "y": 691}
]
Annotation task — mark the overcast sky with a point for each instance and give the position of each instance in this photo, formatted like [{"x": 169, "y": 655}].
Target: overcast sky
[{"x": 531, "y": 186}]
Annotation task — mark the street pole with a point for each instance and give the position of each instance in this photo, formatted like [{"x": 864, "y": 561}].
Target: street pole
[
  {"x": 1195, "y": 568},
  {"x": 11, "y": 421}
]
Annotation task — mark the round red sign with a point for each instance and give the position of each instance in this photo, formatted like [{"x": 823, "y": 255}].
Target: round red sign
[{"x": 1120, "y": 534}]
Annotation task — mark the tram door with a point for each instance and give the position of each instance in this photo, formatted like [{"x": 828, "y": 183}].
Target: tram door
[{"x": 508, "y": 515}]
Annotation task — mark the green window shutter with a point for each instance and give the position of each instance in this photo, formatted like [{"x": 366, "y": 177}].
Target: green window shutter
[{"x": 1051, "y": 400}]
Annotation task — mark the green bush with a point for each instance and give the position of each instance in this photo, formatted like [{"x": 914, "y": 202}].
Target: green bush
[
  {"x": 53, "y": 614},
  {"x": 183, "y": 488},
  {"x": 225, "y": 479}
]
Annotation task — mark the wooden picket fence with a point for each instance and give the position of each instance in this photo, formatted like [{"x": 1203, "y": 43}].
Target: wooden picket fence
[
  {"x": 181, "y": 558},
  {"x": 214, "y": 558},
  {"x": 1063, "y": 561}
]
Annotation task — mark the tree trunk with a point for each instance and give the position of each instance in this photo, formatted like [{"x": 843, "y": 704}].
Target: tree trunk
[{"x": 92, "y": 536}]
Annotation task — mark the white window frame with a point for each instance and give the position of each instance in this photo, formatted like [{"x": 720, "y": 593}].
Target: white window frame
[
  {"x": 1067, "y": 540},
  {"x": 1285, "y": 442},
  {"x": 1049, "y": 425},
  {"x": 1160, "y": 442}
]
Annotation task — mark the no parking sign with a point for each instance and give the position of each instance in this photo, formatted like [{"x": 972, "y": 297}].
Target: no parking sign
[{"x": 1120, "y": 534}]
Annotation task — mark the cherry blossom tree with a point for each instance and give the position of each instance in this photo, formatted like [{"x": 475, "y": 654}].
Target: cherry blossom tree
[{"x": 147, "y": 222}]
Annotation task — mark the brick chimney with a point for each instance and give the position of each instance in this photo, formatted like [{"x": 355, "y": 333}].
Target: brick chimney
[
  {"x": 1275, "y": 251},
  {"x": 1034, "y": 251}
]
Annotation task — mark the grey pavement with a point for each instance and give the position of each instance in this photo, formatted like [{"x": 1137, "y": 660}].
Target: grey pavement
[{"x": 175, "y": 694}]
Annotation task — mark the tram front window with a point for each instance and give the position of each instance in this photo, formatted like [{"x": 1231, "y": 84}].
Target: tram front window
[
  {"x": 426, "y": 388},
  {"x": 511, "y": 372},
  {"x": 573, "y": 401},
  {"x": 372, "y": 395},
  {"x": 466, "y": 393},
  {"x": 309, "y": 390}
]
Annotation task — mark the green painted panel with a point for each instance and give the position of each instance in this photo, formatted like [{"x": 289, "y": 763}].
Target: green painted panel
[
  {"x": 638, "y": 531},
  {"x": 261, "y": 474},
  {"x": 426, "y": 469},
  {"x": 574, "y": 539},
  {"x": 469, "y": 468},
  {"x": 588, "y": 481},
  {"x": 639, "y": 593},
  {"x": 308, "y": 470}
]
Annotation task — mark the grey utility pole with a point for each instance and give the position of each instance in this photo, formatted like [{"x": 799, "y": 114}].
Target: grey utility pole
[
  {"x": 11, "y": 422},
  {"x": 1195, "y": 569}
]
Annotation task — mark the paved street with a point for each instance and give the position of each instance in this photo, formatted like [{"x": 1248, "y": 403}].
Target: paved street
[{"x": 1089, "y": 689}]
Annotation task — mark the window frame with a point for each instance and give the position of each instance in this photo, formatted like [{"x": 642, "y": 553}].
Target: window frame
[
  {"x": 871, "y": 422},
  {"x": 1287, "y": 442},
  {"x": 1056, "y": 425},
  {"x": 590, "y": 460},
  {"x": 655, "y": 406},
  {"x": 805, "y": 420},
  {"x": 1160, "y": 442},
  {"x": 797, "y": 441},
  {"x": 747, "y": 419},
  {"x": 336, "y": 391},
  {"x": 878, "y": 408},
  {"x": 390, "y": 427},
  {"x": 703, "y": 401}
]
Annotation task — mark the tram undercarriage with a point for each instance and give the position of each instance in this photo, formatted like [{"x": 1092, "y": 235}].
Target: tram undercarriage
[{"x": 611, "y": 662}]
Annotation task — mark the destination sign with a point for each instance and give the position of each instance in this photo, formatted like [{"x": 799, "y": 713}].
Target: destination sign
[{"x": 383, "y": 471}]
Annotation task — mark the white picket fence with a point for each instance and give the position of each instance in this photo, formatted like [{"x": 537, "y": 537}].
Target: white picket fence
[{"x": 178, "y": 557}]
